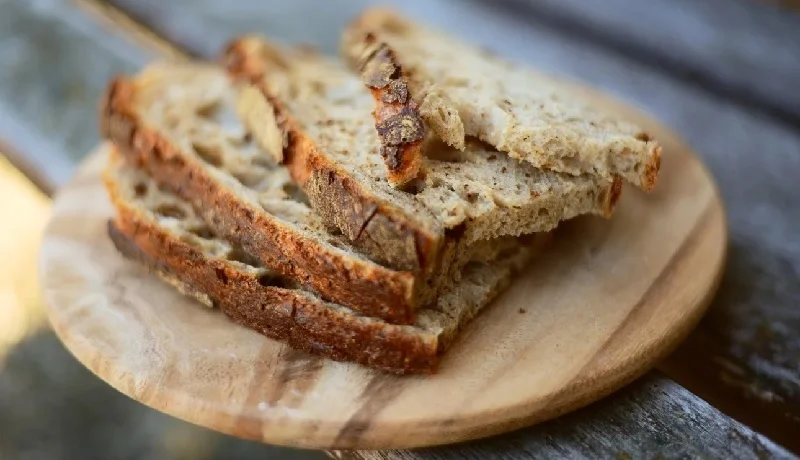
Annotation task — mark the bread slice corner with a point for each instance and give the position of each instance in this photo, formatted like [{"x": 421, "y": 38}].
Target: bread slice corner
[{"x": 465, "y": 91}]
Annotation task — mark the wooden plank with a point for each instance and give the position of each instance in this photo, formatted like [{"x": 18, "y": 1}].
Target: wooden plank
[
  {"x": 654, "y": 418},
  {"x": 754, "y": 159},
  {"x": 743, "y": 49},
  {"x": 56, "y": 61}
]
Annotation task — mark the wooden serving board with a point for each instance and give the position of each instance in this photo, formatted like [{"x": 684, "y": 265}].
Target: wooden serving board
[{"x": 591, "y": 314}]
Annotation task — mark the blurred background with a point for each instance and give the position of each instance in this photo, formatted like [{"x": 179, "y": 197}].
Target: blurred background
[{"x": 711, "y": 69}]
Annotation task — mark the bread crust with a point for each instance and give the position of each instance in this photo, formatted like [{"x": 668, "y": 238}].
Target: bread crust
[
  {"x": 372, "y": 30},
  {"x": 302, "y": 321},
  {"x": 375, "y": 290},
  {"x": 397, "y": 118},
  {"x": 378, "y": 227}
]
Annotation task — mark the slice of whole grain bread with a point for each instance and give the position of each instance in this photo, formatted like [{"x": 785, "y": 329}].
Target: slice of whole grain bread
[
  {"x": 177, "y": 121},
  {"x": 160, "y": 230},
  {"x": 320, "y": 113},
  {"x": 464, "y": 91}
]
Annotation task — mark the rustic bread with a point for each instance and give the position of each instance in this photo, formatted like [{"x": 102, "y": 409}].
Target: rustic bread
[
  {"x": 464, "y": 91},
  {"x": 397, "y": 119},
  {"x": 178, "y": 122},
  {"x": 162, "y": 231},
  {"x": 322, "y": 114}
]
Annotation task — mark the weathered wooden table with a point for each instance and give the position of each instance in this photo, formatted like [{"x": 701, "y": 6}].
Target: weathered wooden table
[{"x": 725, "y": 74}]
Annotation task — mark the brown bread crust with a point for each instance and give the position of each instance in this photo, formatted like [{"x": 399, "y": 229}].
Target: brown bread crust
[
  {"x": 375, "y": 290},
  {"x": 397, "y": 119},
  {"x": 302, "y": 321},
  {"x": 371, "y": 223}
]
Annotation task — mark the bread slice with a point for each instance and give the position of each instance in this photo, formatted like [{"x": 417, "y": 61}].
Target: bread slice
[
  {"x": 322, "y": 112},
  {"x": 177, "y": 121},
  {"x": 162, "y": 231},
  {"x": 464, "y": 91}
]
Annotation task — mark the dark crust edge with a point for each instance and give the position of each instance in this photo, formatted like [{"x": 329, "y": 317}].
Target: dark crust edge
[
  {"x": 397, "y": 118},
  {"x": 334, "y": 193},
  {"x": 375, "y": 290},
  {"x": 302, "y": 321}
]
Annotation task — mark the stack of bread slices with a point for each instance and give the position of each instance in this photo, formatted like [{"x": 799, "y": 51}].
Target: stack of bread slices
[{"x": 362, "y": 208}]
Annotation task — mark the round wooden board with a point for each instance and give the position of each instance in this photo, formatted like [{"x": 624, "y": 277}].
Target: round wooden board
[{"x": 591, "y": 314}]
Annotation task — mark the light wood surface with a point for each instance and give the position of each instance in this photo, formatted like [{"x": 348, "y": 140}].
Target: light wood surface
[{"x": 589, "y": 316}]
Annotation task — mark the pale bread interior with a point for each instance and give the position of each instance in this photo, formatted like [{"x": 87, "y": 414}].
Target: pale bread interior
[{"x": 465, "y": 91}]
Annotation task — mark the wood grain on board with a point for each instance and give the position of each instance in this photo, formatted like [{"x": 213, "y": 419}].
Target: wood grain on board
[
  {"x": 653, "y": 418},
  {"x": 592, "y": 313}
]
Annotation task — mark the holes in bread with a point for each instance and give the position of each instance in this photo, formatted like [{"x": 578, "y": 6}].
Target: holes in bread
[
  {"x": 415, "y": 187},
  {"x": 140, "y": 189},
  {"x": 440, "y": 151},
  {"x": 221, "y": 275},
  {"x": 209, "y": 110},
  {"x": 543, "y": 212},
  {"x": 211, "y": 155},
  {"x": 171, "y": 210},
  {"x": 238, "y": 254},
  {"x": 273, "y": 280}
]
